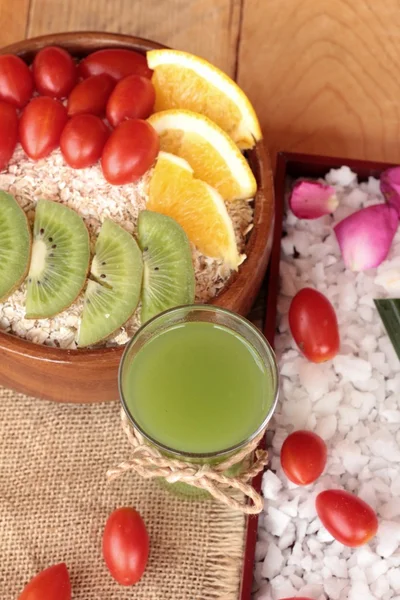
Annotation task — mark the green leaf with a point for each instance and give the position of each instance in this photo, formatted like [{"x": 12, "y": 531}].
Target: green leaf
[{"x": 389, "y": 312}]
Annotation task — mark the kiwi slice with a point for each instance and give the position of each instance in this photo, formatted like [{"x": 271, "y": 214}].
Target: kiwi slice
[
  {"x": 15, "y": 245},
  {"x": 168, "y": 277},
  {"x": 113, "y": 291},
  {"x": 60, "y": 260}
]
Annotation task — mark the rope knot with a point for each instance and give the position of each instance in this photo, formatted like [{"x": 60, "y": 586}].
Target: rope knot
[{"x": 148, "y": 462}]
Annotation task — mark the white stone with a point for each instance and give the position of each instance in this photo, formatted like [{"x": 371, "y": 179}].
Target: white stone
[
  {"x": 336, "y": 565},
  {"x": 343, "y": 177},
  {"x": 315, "y": 379},
  {"x": 393, "y": 577},
  {"x": 288, "y": 537},
  {"x": 376, "y": 570},
  {"x": 273, "y": 561},
  {"x": 271, "y": 485},
  {"x": 352, "y": 368},
  {"x": 276, "y": 521},
  {"x": 388, "y": 538},
  {"x": 334, "y": 587},
  {"x": 326, "y": 427}
]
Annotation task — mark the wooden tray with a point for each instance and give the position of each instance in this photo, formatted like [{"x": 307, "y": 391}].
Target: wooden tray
[{"x": 290, "y": 165}]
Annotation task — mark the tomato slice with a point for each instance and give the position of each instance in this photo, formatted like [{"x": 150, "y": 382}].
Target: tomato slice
[
  {"x": 116, "y": 62},
  {"x": 348, "y": 519},
  {"x": 82, "y": 140},
  {"x": 132, "y": 98},
  {"x": 129, "y": 152},
  {"x": 126, "y": 545},
  {"x": 51, "y": 584},
  {"x": 303, "y": 457},
  {"x": 314, "y": 326},
  {"x": 9, "y": 132},
  {"x": 40, "y": 126},
  {"x": 16, "y": 81},
  {"x": 91, "y": 95},
  {"x": 54, "y": 72}
]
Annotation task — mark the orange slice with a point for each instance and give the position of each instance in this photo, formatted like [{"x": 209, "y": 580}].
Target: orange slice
[
  {"x": 195, "y": 205},
  {"x": 211, "y": 153},
  {"x": 183, "y": 80}
]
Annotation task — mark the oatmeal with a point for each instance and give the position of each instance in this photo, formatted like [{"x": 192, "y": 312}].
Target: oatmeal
[{"x": 88, "y": 193}]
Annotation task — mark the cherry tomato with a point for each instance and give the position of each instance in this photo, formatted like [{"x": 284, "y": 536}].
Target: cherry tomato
[
  {"x": 116, "y": 62},
  {"x": 40, "y": 126},
  {"x": 129, "y": 152},
  {"x": 91, "y": 95},
  {"x": 54, "y": 72},
  {"x": 82, "y": 140},
  {"x": 314, "y": 325},
  {"x": 132, "y": 98},
  {"x": 303, "y": 457},
  {"x": 9, "y": 132},
  {"x": 125, "y": 546},
  {"x": 51, "y": 584},
  {"x": 16, "y": 81},
  {"x": 348, "y": 519}
]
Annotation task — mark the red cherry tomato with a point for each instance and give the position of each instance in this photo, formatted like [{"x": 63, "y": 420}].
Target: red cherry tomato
[
  {"x": 348, "y": 519},
  {"x": 91, "y": 95},
  {"x": 303, "y": 457},
  {"x": 126, "y": 546},
  {"x": 115, "y": 62},
  {"x": 54, "y": 72},
  {"x": 51, "y": 584},
  {"x": 16, "y": 81},
  {"x": 129, "y": 152},
  {"x": 132, "y": 98},
  {"x": 314, "y": 326},
  {"x": 82, "y": 140},
  {"x": 9, "y": 132},
  {"x": 40, "y": 126}
]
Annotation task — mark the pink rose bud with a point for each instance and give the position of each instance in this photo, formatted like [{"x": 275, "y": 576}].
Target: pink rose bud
[
  {"x": 365, "y": 236},
  {"x": 311, "y": 200}
]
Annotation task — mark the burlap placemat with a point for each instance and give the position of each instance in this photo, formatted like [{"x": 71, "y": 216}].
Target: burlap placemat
[{"x": 54, "y": 502}]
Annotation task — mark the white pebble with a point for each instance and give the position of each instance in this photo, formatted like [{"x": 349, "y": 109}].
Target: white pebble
[
  {"x": 273, "y": 561},
  {"x": 276, "y": 521},
  {"x": 352, "y": 368},
  {"x": 326, "y": 427},
  {"x": 334, "y": 587},
  {"x": 343, "y": 176},
  {"x": 271, "y": 485},
  {"x": 393, "y": 577},
  {"x": 336, "y": 565},
  {"x": 315, "y": 379},
  {"x": 376, "y": 570}
]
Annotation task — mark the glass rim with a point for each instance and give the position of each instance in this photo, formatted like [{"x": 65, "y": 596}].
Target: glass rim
[{"x": 218, "y": 453}]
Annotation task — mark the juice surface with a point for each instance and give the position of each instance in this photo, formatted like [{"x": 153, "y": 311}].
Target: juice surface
[{"x": 198, "y": 387}]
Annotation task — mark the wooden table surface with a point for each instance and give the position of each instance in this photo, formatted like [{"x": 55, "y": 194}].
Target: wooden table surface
[{"x": 322, "y": 74}]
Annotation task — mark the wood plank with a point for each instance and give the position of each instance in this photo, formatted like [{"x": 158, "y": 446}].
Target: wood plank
[
  {"x": 13, "y": 19},
  {"x": 323, "y": 75},
  {"x": 209, "y": 29}
]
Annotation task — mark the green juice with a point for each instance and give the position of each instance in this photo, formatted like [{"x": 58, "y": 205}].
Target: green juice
[{"x": 198, "y": 387}]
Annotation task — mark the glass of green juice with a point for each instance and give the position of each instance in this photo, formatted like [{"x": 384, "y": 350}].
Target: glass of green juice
[{"x": 199, "y": 383}]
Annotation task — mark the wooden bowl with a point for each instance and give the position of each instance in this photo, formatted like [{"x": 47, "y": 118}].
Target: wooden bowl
[{"x": 91, "y": 375}]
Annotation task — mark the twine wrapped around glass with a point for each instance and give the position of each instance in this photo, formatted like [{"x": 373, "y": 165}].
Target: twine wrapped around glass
[{"x": 225, "y": 474}]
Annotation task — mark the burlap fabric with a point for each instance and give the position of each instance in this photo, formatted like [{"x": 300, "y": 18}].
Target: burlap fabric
[{"x": 54, "y": 502}]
